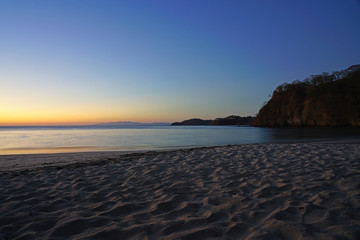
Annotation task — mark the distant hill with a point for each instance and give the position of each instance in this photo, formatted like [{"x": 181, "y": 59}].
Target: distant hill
[
  {"x": 127, "y": 123},
  {"x": 193, "y": 121},
  {"x": 320, "y": 100},
  {"x": 230, "y": 120}
]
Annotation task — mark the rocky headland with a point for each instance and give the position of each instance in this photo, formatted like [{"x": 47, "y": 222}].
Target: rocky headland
[
  {"x": 320, "y": 100},
  {"x": 230, "y": 120}
]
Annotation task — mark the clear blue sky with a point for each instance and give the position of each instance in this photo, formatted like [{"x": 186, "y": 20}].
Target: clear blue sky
[{"x": 93, "y": 61}]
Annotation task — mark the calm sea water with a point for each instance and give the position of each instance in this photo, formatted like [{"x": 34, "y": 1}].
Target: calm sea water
[{"x": 24, "y": 140}]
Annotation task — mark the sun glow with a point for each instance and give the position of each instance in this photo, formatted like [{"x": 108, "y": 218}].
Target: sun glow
[{"x": 32, "y": 116}]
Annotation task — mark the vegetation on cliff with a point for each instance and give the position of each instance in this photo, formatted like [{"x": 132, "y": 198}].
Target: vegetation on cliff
[
  {"x": 320, "y": 100},
  {"x": 230, "y": 120}
]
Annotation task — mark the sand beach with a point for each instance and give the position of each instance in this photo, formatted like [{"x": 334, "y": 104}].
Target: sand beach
[{"x": 250, "y": 191}]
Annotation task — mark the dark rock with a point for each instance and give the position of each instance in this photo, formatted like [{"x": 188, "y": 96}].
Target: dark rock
[
  {"x": 193, "y": 121},
  {"x": 230, "y": 120},
  {"x": 321, "y": 100}
]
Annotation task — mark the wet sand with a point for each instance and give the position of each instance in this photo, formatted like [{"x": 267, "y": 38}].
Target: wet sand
[{"x": 252, "y": 191}]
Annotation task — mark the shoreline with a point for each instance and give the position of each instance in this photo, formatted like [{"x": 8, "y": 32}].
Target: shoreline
[
  {"x": 248, "y": 191},
  {"x": 30, "y": 161}
]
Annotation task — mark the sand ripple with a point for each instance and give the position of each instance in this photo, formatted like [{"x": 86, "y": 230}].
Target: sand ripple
[{"x": 259, "y": 191}]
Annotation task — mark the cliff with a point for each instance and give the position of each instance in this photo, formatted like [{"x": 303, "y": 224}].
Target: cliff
[
  {"x": 321, "y": 100},
  {"x": 230, "y": 120}
]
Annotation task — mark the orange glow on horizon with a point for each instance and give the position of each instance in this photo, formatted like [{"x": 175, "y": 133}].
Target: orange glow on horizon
[
  {"x": 29, "y": 113},
  {"x": 38, "y": 123},
  {"x": 69, "y": 121},
  {"x": 34, "y": 117}
]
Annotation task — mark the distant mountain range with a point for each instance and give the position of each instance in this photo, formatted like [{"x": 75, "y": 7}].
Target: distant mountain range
[
  {"x": 230, "y": 120},
  {"x": 127, "y": 123}
]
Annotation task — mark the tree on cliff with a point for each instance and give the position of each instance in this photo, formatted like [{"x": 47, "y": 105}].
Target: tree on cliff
[{"x": 320, "y": 100}]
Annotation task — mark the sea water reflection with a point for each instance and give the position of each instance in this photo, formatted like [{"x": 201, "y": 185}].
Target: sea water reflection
[{"x": 19, "y": 140}]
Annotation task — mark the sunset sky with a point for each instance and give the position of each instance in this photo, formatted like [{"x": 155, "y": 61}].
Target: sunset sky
[{"x": 82, "y": 62}]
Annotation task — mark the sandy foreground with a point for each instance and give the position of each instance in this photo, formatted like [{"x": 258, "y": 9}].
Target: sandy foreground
[{"x": 254, "y": 191}]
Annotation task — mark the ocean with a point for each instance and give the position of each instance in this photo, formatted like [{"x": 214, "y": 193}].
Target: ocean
[{"x": 61, "y": 139}]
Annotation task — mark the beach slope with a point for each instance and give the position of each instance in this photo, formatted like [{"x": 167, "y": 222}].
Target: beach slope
[{"x": 254, "y": 191}]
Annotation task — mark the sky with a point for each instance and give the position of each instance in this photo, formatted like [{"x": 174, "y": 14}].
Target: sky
[{"x": 83, "y": 62}]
